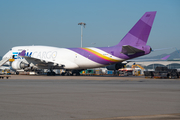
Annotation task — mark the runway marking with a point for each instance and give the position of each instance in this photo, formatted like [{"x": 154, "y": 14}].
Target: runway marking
[{"x": 144, "y": 117}]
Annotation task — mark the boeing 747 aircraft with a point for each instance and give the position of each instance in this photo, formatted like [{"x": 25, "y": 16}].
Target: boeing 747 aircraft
[{"x": 76, "y": 59}]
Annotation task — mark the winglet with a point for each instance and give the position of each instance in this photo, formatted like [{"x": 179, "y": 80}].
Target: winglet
[{"x": 22, "y": 53}]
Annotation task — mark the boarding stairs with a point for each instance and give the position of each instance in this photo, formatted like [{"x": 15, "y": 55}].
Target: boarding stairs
[{"x": 3, "y": 61}]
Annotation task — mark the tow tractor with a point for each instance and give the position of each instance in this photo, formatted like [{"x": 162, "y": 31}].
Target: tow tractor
[{"x": 4, "y": 76}]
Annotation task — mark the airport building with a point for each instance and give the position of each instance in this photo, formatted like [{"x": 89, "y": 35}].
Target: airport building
[{"x": 151, "y": 65}]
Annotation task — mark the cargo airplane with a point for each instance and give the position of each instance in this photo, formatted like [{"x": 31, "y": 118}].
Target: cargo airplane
[{"x": 73, "y": 60}]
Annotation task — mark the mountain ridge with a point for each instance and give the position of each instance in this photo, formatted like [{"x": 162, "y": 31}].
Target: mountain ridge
[{"x": 173, "y": 56}]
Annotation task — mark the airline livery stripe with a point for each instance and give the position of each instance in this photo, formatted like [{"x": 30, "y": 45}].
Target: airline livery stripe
[
  {"x": 15, "y": 52},
  {"x": 100, "y": 55}
]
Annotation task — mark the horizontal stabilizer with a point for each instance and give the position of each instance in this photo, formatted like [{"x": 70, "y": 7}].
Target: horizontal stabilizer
[
  {"x": 129, "y": 50},
  {"x": 3, "y": 61}
]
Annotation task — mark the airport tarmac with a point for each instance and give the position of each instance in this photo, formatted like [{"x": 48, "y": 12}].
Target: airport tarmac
[{"x": 89, "y": 98}]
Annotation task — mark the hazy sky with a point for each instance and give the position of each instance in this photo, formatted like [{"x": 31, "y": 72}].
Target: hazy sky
[{"x": 55, "y": 22}]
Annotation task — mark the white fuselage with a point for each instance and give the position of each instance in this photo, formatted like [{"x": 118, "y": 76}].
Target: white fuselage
[{"x": 60, "y": 56}]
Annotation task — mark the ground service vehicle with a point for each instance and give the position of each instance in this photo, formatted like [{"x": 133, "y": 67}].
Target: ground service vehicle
[{"x": 162, "y": 72}]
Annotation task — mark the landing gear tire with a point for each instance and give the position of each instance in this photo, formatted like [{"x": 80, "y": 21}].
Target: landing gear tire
[
  {"x": 71, "y": 73},
  {"x": 63, "y": 74},
  {"x": 67, "y": 74},
  {"x": 76, "y": 74},
  {"x": 51, "y": 74}
]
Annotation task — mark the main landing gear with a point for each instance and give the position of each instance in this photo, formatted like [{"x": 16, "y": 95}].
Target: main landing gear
[
  {"x": 71, "y": 73},
  {"x": 65, "y": 73},
  {"x": 51, "y": 73}
]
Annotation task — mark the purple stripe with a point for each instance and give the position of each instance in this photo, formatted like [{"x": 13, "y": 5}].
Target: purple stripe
[
  {"x": 90, "y": 56},
  {"x": 114, "y": 50}
]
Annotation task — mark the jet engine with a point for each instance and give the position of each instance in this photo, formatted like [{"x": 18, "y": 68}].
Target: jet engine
[
  {"x": 18, "y": 64},
  {"x": 116, "y": 66}
]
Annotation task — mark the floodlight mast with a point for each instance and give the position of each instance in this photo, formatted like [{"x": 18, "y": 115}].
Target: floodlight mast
[{"x": 82, "y": 24}]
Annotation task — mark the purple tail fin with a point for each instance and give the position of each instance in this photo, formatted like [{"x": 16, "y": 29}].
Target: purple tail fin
[
  {"x": 165, "y": 58},
  {"x": 138, "y": 35}
]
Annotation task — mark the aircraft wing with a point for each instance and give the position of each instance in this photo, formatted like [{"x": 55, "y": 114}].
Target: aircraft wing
[
  {"x": 129, "y": 50},
  {"x": 40, "y": 62}
]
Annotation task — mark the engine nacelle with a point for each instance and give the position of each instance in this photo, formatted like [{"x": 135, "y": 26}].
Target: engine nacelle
[
  {"x": 18, "y": 64},
  {"x": 116, "y": 66}
]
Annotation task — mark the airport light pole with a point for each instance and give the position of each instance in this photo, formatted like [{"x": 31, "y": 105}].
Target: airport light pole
[{"x": 82, "y": 24}]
